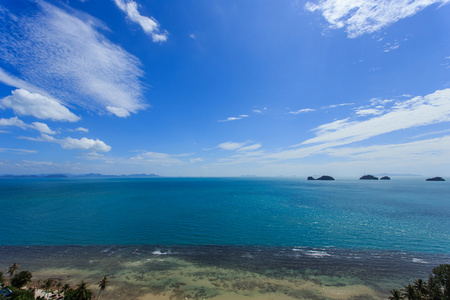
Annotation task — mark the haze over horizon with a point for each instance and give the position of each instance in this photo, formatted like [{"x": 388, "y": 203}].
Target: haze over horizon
[{"x": 225, "y": 88}]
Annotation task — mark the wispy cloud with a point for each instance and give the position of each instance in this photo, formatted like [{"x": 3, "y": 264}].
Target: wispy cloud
[
  {"x": 148, "y": 24},
  {"x": 80, "y": 129},
  {"x": 24, "y": 103},
  {"x": 64, "y": 54},
  {"x": 234, "y": 118},
  {"x": 413, "y": 151},
  {"x": 302, "y": 111},
  {"x": 230, "y": 145},
  {"x": 331, "y": 137},
  {"x": 368, "y": 111},
  {"x": 418, "y": 111},
  {"x": 239, "y": 146},
  {"x": 158, "y": 158},
  {"x": 337, "y": 105},
  {"x": 18, "y": 151},
  {"x": 359, "y": 17}
]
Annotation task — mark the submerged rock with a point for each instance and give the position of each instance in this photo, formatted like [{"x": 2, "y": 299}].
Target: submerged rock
[
  {"x": 385, "y": 178},
  {"x": 368, "y": 177},
  {"x": 436, "y": 179}
]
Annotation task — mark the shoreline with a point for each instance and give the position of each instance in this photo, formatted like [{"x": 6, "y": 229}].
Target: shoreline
[{"x": 225, "y": 272}]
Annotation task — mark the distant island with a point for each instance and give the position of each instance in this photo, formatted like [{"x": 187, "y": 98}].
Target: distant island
[
  {"x": 368, "y": 177},
  {"x": 385, "y": 178},
  {"x": 324, "y": 177},
  {"x": 90, "y": 175},
  {"x": 436, "y": 179}
]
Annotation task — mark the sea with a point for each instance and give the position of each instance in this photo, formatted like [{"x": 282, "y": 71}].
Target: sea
[{"x": 228, "y": 238}]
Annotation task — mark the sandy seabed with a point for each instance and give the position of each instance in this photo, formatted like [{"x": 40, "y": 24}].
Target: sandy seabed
[{"x": 219, "y": 273}]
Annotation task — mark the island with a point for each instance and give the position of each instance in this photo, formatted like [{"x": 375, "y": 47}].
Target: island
[
  {"x": 368, "y": 177},
  {"x": 436, "y": 179},
  {"x": 324, "y": 177},
  {"x": 385, "y": 178}
]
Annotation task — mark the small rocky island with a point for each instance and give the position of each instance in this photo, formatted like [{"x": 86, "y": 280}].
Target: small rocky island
[
  {"x": 436, "y": 179},
  {"x": 368, "y": 177},
  {"x": 324, "y": 177},
  {"x": 385, "y": 178}
]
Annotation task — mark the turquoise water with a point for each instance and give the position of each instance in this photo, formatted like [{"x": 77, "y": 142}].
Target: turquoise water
[{"x": 402, "y": 214}]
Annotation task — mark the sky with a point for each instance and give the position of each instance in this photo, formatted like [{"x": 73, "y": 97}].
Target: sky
[{"x": 225, "y": 87}]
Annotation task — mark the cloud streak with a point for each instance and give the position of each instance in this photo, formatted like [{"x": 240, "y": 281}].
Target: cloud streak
[
  {"x": 149, "y": 25},
  {"x": 418, "y": 111},
  {"x": 158, "y": 158},
  {"x": 64, "y": 54},
  {"x": 360, "y": 17}
]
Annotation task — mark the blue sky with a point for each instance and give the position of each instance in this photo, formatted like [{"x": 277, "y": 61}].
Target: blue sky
[{"x": 225, "y": 88}]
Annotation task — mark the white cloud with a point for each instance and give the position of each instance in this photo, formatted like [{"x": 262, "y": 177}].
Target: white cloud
[
  {"x": 18, "y": 151},
  {"x": 302, "y": 111},
  {"x": 241, "y": 147},
  {"x": 13, "y": 122},
  {"x": 82, "y": 129},
  {"x": 149, "y": 25},
  {"x": 195, "y": 160},
  {"x": 259, "y": 111},
  {"x": 413, "y": 151},
  {"x": 234, "y": 118},
  {"x": 359, "y": 17},
  {"x": 64, "y": 54},
  {"x": 41, "y": 127},
  {"x": 192, "y": 36},
  {"x": 368, "y": 112},
  {"x": 119, "y": 112},
  {"x": 389, "y": 47},
  {"x": 159, "y": 158},
  {"x": 24, "y": 103},
  {"x": 337, "y": 105},
  {"x": 85, "y": 144},
  {"x": 250, "y": 147},
  {"x": 418, "y": 111},
  {"x": 231, "y": 145}
]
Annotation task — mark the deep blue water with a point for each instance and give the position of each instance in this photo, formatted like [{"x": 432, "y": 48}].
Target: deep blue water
[{"x": 402, "y": 214}]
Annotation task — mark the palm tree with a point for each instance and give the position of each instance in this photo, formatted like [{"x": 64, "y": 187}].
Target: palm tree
[
  {"x": 420, "y": 287},
  {"x": 396, "y": 295},
  {"x": 409, "y": 292},
  {"x": 102, "y": 285},
  {"x": 82, "y": 292},
  {"x": 14, "y": 267}
]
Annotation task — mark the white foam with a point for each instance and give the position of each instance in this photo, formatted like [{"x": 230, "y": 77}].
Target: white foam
[
  {"x": 419, "y": 261},
  {"x": 158, "y": 252},
  {"x": 314, "y": 253}
]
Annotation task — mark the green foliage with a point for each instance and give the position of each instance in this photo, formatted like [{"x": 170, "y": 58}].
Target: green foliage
[
  {"x": 102, "y": 285},
  {"x": 12, "y": 269},
  {"x": 18, "y": 294},
  {"x": 21, "y": 279},
  {"x": 436, "y": 288},
  {"x": 2, "y": 279},
  {"x": 80, "y": 293}
]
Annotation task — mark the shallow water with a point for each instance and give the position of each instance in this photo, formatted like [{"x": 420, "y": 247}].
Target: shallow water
[{"x": 226, "y": 272}]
